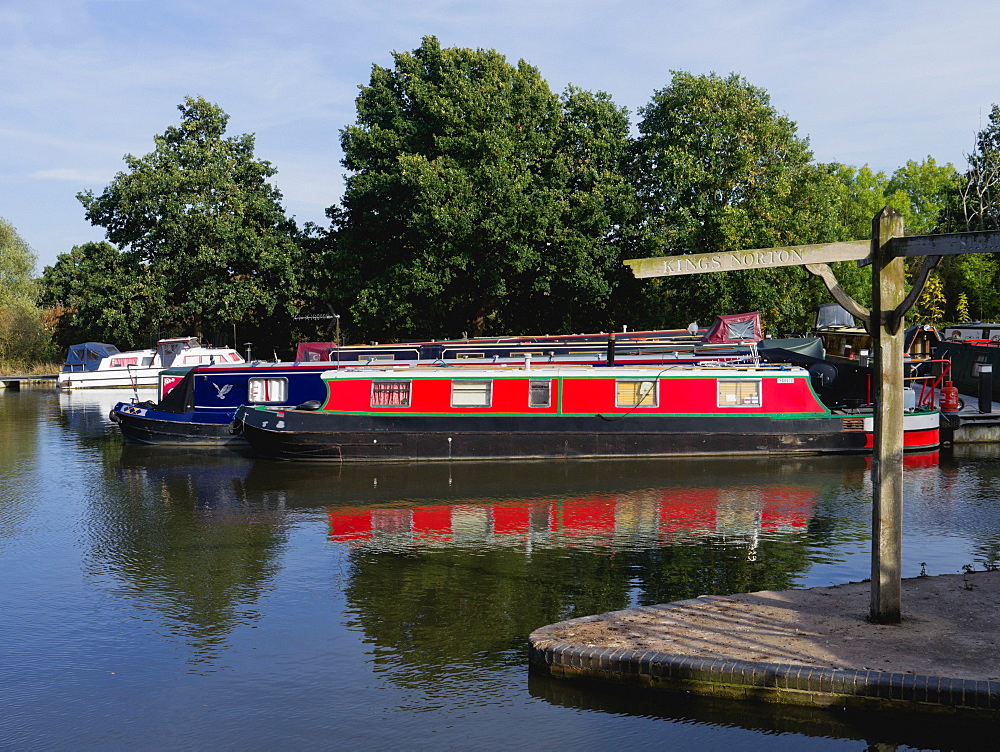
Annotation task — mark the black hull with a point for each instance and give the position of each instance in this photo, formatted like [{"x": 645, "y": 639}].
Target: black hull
[
  {"x": 143, "y": 430},
  {"x": 310, "y": 436}
]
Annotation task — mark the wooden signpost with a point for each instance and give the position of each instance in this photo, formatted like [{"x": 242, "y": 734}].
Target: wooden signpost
[{"x": 885, "y": 253}]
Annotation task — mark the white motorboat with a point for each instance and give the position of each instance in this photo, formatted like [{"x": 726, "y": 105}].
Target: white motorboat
[{"x": 99, "y": 365}]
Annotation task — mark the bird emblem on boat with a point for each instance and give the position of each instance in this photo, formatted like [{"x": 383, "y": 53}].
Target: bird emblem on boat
[{"x": 222, "y": 390}]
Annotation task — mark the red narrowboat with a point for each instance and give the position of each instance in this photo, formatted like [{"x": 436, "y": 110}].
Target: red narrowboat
[{"x": 524, "y": 412}]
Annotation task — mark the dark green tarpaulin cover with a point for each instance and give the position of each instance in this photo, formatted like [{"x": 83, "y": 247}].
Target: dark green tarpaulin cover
[{"x": 811, "y": 346}]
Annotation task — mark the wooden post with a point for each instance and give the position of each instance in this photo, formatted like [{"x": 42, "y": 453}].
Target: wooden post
[{"x": 888, "y": 292}]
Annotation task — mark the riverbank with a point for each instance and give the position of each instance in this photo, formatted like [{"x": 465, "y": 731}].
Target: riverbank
[{"x": 800, "y": 647}]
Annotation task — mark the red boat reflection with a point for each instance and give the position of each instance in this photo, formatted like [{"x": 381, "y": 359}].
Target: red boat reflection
[
  {"x": 669, "y": 514},
  {"x": 913, "y": 461}
]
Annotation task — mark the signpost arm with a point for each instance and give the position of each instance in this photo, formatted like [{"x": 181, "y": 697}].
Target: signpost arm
[
  {"x": 888, "y": 284},
  {"x": 839, "y": 294},
  {"x": 930, "y": 262}
]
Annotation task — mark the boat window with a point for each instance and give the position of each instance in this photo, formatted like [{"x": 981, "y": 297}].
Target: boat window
[
  {"x": 539, "y": 393},
  {"x": 123, "y": 362},
  {"x": 588, "y": 352},
  {"x": 636, "y": 393},
  {"x": 739, "y": 392},
  {"x": 471, "y": 393},
  {"x": 390, "y": 394},
  {"x": 526, "y": 354},
  {"x": 379, "y": 356},
  {"x": 462, "y": 355},
  {"x": 268, "y": 389}
]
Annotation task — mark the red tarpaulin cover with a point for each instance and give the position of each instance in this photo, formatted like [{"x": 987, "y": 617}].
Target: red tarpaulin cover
[
  {"x": 738, "y": 327},
  {"x": 313, "y": 352}
]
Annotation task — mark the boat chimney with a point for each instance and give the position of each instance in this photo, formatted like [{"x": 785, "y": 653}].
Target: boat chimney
[{"x": 527, "y": 361}]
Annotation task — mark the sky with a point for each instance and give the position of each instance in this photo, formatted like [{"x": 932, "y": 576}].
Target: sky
[{"x": 85, "y": 82}]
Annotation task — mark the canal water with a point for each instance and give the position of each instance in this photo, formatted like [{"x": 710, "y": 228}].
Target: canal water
[{"x": 177, "y": 599}]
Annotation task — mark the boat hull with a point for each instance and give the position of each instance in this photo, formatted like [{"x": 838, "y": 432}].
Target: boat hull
[
  {"x": 140, "y": 425},
  {"x": 141, "y": 378},
  {"x": 311, "y": 436}
]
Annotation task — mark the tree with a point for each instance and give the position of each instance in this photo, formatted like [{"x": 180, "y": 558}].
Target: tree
[
  {"x": 199, "y": 217},
  {"x": 17, "y": 265},
  {"x": 859, "y": 194},
  {"x": 962, "y": 308},
  {"x": 23, "y": 336},
  {"x": 718, "y": 169},
  {"x": 930, "y": 306},
  {"x": 975, "y": 203},
  {"x": 920, "y": 191},
  {"x": 973, "y": 206},
  {"x": 478, "y": 200},
  {"x": 104, "y": 296}
]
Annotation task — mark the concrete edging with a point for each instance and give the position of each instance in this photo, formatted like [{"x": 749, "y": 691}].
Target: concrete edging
[{"x": 782, "y": 683}]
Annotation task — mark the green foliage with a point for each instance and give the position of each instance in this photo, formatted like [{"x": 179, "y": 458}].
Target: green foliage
[
  {"x": 714, "y": 160},
  {"x": 858, "y": 195},
  {"x": 921, "y": 191},
  {"x": 972, "y": 207},
  {"x": 17, "y": 265},
  {"x": 105, "y": 297},
  {"x": 718, "y": 169},
  {"x": 200, "y": 225},
  {"x": 975, "y": 275},
  {"x": 930, "y": 306},
  {"x": 962, "y": 308},
  {"x": 478, "y": 200},
  {"x": 23, "y": 333}
]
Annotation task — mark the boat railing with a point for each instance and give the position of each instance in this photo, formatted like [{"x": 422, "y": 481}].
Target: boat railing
[
  {"x": 930, "y": 374},
  {"x": 978, "y": 342},
  {"x": 533, "y": 365}
]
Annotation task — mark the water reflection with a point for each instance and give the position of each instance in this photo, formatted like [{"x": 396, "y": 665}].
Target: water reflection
[
  {"x": 631, "y": 519},
  {"x": 451, "y": 567},
  {"x": 879, "y": 731},
  {"x": 85, "y": 411},
  {"x": 457, "y": 561},
  {"x": 18, "y": 448},
  {"x": 407, "y": 592},
  {"x": 175, "y": 533}
]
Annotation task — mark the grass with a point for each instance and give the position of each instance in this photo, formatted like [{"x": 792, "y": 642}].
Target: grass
[{"x": 22, "y": 368}]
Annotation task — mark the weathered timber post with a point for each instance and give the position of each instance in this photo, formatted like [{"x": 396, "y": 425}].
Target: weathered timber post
[{"x": 888, "y": 292}]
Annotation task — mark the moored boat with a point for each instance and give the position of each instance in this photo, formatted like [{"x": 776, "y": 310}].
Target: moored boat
[
  {"x": 531, "y": 412},
  {"x": 968, "y": 359},
  {"x": 100, "y": 365},
  {"x": 197, "y": 405},
  {"x": 845, "y": 341}
]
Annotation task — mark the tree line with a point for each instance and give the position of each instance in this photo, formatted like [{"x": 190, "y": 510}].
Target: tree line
[{"x": 478, "y": 201}]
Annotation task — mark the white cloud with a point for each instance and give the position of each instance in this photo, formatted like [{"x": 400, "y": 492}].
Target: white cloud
[{"x": 71, "y": 175}]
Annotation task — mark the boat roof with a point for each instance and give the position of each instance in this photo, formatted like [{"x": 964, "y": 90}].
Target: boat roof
[
  {"x": 566, "y": 371},
  {"x": 171, "y": 340},
  {"x": 88, "y": 352}
]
